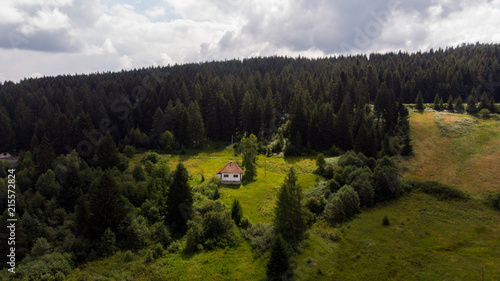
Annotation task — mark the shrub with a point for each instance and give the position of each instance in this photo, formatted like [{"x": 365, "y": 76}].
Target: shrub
[
  {"x": 334, "y": 210},
  {"x": 149, "y": 257},
  {"x": 315, "y": 204},
  {"x": 484, "y": 113},
  {"x": 157, "y": 251},
  {"x": 495, "y": 200},
  {"x": 210, "y": 230},
  {"x": 138, "y": 173},
  {"x": 129, "y": 256},
  {"x": 175, "y": 246},
  {"x": 107, "y": 243},
  {"x": 129, "y": 151},
  {"x": 261, "y": 237},
  {"x": 385, "y": 221},
  {"x": 440, "y": 190},
  {"x": 350, "y": 200},
  {"x": 245, "y": 223}
]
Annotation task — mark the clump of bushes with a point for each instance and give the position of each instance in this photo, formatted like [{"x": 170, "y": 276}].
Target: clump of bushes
[
  {"x": 439, "y": 190},
  {"x": 385, "y": 221},
  {"x": 261, "y": 237}
]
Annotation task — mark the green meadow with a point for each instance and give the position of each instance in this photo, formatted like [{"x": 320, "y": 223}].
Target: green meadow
[{"x": 427, "y": 238}]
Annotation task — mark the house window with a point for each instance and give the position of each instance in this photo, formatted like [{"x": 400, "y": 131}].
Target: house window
[
  {"x": 235, "y": 176},
  {"x": 226, "y": 176}
]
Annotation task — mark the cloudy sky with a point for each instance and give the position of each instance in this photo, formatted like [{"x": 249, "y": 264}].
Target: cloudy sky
[{"x": 72, "y": 36}]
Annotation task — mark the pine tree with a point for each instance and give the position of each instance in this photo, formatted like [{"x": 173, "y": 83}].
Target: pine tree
[
  {"x": 289, "y": 221},
  {"x": 471, "y": 104},
  {"x": 107, "y": 206},
  {"x": 278, "y": 267},
  {"x": 179, "y": 198},
  {"x": 343, "y": 125},
  {"x": 107, "y": 154},
  {"x": 249, "y": 148},
  {"x": 450, "y": 104},
  {"x": 236, "y": 212},
  {"x": 196, "y": 128},
  {"x": 7, "y": 135},
  {"x": 459, "y": 105},
  {"x": 436, "y": 106},
  {"x": 419, "y": 102}
]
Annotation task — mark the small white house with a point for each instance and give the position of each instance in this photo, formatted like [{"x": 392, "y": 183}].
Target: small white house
[
  {"x": 232, "y": 173},
  {"x": 5, "y": 156}
]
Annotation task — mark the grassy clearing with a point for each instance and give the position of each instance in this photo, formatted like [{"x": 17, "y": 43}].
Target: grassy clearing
[
  {"x": 427, "y": 239},
  {"x": 456, "y": 149}
]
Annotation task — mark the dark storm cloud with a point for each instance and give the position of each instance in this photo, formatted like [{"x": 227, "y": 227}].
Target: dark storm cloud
[{"x": 43, "y": 40}]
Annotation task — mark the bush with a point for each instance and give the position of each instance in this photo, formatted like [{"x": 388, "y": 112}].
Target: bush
[
  {"x": 261, "y": 237},
  {"x": 385, "y": 221},
  {"x": 484, "y": 113},
  {"x": 334, "y": 210},
  {"x": 153, "y": 157},
  {"x": 315, "y": 204},
  {"x": 157, "y": 251},
  {"x": 245, "y": 223},
  {"x": 129, "y": 256},
  {"x": 350, "y": 200},
  {"x": 129, "y": 151},
  {"x": 439, "y": 190},
  {"x": 210, "y": 230},
  {"x": 236, "y": 212}
]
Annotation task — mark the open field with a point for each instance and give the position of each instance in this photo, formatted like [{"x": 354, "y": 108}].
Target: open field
[
  {"x": 456, "y": 149},
  {"x": 427, "y": 239}
]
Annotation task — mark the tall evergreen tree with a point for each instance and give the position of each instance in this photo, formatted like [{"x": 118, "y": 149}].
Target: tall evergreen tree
[
  {"x": 289, "y": 220},
  {"x": 419, "y": 101},
  {"x": 179, "y": 198},
  {"x": 459, "y": 105},
  {"x": 450, "y": 104},
  {"x": 471, "y": 104},
  {"x": 436, "y": 106},
  {"x": 107, "y": 206},
  {"x": 343, "y": 125},
  {"x": 236, "y": 212},
  {"x": 249, "y": 148},
  {"x": 107, "y": 153},
  {"x": 278, "y": 267},
  {"x": 196, "y": 128},
  {"x": 7, "y": 135}
]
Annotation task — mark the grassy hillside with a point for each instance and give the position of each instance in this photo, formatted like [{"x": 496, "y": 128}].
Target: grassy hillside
[
  {"x": 456, "y": 149},
  {"x": 427, "y": 239}
]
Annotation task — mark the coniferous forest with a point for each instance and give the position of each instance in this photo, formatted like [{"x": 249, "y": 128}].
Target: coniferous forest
[{"x": 75, "y": 135}]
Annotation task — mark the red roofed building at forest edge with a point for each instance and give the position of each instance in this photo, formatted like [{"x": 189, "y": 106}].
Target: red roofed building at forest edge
[{"x": 232, "y": 173}]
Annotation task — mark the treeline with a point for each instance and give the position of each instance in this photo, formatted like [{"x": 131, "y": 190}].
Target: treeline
[{"x": 308, "y": 103}]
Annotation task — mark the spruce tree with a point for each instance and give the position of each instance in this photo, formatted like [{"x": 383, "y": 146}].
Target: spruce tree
[
  {"x": 343, "y": 125},
  {"x": 450, "y": 104},
  {"x": 419, "y": 102},
  {"x": 471, "y": 104},
  {"x": 196, "y": 128},
  {"x": 289, "y": 221},
  {"x": 459, "y": 105},
  {"x": 249, "y": 148},
  {"x": 278, "y": 267},
  {"x": 436, "y": 106},
  {"x": 107, "y": 154},
  {"x": 236, "y": 212},
  {"x": 179, "y": 198}
]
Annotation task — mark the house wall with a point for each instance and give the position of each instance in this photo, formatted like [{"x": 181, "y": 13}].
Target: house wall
[{"x": 230, "y": 177}]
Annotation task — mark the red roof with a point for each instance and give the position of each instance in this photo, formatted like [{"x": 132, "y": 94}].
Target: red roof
[{"x": 231, "y": 168}]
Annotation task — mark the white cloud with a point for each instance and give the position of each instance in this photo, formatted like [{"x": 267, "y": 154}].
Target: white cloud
[
  {"x": 64, "y": 36},
  {"x": 155, "y": 12}
]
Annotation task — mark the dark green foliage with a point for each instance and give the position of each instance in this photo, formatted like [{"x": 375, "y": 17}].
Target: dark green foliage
[
  {"x": 440, "y": 190},
  {"x": 129, "y": 151},
  {"x": 278, "y": 267},
  {"x": 138, "y": 173},
  {"x": 288, "y": 220},
  {"x": 450, "y": 107},
  {"x": 210, "y": 230},
  {"x": 249, "y": 148},
  {"x": 179, "y": 198},
  {"x": 320, "y": 163},
  {"x": 236, "y": 212},
  {"x": 350, "y": 201},
  {"x": 195, "y": 127},
  {"x": 495, "y": 200},
  {"x": 437, "y": 104},
  {"x": 472, "y": 104},
  {"x": 107, "y": 154},
  {"x": 107, "y": 243},
  {"x": 48, "y": 266},
  {"x": 419, "y": 102},
  {"x": 459, "y": 105},
  {"x": 385, "y": 221},
  {"x": 261, "y": 237},
  {"x": 41, "y": 247},
  {"x": 137, "y": 233},
  {"x": 47, "y": 184},
  {"x": 107, "y": 206},
  {"x": 167, "y": 141}
]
